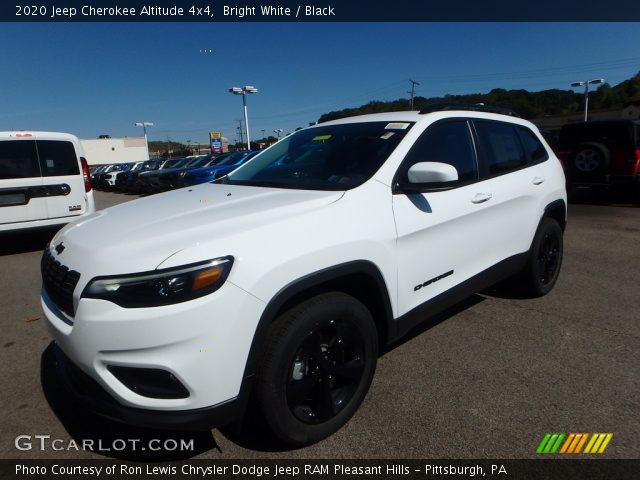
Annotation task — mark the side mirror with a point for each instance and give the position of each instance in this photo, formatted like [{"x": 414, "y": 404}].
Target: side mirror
[{"x": 425, "y": 175}]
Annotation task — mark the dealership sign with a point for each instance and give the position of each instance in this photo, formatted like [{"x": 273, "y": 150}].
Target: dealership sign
[{"x": 216, "y": 142}]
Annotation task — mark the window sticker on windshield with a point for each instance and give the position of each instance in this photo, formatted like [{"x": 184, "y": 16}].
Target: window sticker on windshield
[
  {"x": 397, "y": 126},
  {"x": 50, "y": 163},
  {"x": 387, "y": 135},
  {"x": 321, "y": 138}
]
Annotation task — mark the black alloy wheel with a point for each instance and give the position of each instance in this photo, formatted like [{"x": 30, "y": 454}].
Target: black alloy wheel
[
  {"x": 545, "y": 259},
  {"x": 325, "y": 372},
  {"x": 318, "y": 363},
  {"x": 548, "y": 257}
]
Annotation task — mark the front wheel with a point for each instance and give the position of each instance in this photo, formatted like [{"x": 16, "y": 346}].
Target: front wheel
[
  {"x": 545, "y": 259},
  {"x": 317, "y": 368}
]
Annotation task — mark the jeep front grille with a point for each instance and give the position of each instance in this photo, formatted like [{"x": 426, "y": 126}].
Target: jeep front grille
[{"x": 59, "y": 282}]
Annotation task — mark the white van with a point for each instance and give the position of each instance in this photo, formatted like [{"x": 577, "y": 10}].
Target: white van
[{"x": 44, "y": 180}]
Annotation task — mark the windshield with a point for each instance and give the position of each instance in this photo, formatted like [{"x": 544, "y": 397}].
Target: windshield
[{"x": 329, "y": 157}]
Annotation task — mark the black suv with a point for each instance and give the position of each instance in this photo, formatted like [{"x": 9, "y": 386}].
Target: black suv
[{"x": 601, "y": 153}]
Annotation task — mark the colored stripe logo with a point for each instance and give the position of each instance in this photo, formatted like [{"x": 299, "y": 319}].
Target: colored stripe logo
[{"x": 573, "y": 443}]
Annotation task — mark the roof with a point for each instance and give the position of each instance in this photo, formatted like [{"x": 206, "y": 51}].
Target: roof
[{"x": 25, "y": 134}]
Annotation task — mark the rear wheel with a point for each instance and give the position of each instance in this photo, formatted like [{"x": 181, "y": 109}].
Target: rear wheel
[
  {"x": 545, "y": 259},
  {"x": 591, "y": 158},
  {"x": 317, "y": 368}
]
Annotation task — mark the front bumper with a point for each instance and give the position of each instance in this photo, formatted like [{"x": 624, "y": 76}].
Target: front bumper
[
  {"x": 204, "y": 343},
  {"x": 83, "y": 389}
]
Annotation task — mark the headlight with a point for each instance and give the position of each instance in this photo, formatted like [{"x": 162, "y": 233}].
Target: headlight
[{"x": 161, "y": 287}]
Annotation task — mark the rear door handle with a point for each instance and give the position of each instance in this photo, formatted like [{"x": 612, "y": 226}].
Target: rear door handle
[
  {"x": 537, "y": 180},
  {"x": 481, "y": 198}
]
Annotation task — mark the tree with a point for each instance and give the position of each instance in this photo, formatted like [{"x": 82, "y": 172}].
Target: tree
[{"x": 527, "y": 104}]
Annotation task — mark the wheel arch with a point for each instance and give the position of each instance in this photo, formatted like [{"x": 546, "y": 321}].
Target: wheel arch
[
  {"x": 360, "y": 279},
  {"x": 558, "y": 211}
]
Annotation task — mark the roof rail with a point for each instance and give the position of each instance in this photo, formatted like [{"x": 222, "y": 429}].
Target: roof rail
[{"x": 477, "y": 107}]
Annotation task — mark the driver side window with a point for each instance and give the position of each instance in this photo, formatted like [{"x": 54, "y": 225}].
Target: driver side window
[{"x": 446, "y": 142}]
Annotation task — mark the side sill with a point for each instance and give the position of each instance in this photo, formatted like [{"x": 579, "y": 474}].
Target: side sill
[{"x": 498, "y": 272}]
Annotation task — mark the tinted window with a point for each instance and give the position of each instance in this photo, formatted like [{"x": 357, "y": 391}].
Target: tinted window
[
  {"x": 57, "y": 158},
  {"x": 501, "y": 148},
  {"x": 533, "y": 146},
  {"x": 446, "y": 142},
  {"x": 18, "y": 159}
]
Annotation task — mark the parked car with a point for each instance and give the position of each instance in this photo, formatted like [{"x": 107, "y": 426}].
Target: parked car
[
  {"x": 109, "y": 179},
  {"x": 285, "y": 278},
  {"x": 141, "y": 184},
  {"x": 602, "y": 153},
  {"x": 96, "y": 171},
  {"x": 223, "y": 165},
  {"x": 148, "y": 182},
  {"x": 44, "y": 180},
  {"x": 173, "y": 178},
  {"x": 120, "y": 178},
  {"x": 128, "y": 181},
  {"x": 100, "y": 182}
]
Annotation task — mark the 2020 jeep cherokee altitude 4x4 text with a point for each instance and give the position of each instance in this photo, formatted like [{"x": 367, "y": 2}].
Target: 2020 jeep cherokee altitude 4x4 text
[{"x": 286, "y": 277}]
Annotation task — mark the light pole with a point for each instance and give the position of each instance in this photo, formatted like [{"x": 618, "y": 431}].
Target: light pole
[
  {"x": 278, "y": 132},
  {"x": 243, "y": 91},
  {"x": 144, "y": 126},
  {"x": 586, "y": 83}
]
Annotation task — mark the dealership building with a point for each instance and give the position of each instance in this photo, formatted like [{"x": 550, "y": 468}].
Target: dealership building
[{"x": 100, "y": 151}]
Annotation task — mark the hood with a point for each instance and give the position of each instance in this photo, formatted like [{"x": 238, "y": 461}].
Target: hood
[{"x": 139, "y": 235}]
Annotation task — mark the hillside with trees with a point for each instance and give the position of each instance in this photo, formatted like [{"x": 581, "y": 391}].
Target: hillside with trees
[{"x": 527, "y": 104}]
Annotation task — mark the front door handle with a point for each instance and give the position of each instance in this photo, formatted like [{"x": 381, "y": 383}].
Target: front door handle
[
  {"x": 537, "y": 180},
  {"x": 481, "y": 198}
]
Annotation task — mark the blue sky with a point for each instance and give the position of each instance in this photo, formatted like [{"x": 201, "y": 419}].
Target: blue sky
[{"x": 92, "y": 79}]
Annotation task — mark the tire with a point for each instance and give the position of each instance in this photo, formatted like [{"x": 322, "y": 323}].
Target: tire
[
  {"x": 590, "y": 159},
  {"x": 545, "y": 259},
  {"x": 317, "y": 368}
]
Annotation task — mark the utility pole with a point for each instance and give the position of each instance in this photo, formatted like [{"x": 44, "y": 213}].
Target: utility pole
[
  {"x": 413, "y": 91},
  {"x": 240, "y": 131}
]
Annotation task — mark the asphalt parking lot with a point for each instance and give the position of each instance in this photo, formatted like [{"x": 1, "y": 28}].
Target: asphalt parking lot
[{"x": 486, "y": 380}]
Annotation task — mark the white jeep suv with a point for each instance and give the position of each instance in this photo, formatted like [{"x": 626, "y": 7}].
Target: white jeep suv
[{"x": 285, "y": 278}]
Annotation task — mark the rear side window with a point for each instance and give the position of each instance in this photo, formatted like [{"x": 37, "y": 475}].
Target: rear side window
[
  {"x": 57, "y": 158},
  {"x": 446, "y": 142},
  {"x": 501, "y": 148},
  {"x": 533, "y": 146},
  {"x": 18, "y": 159}
]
